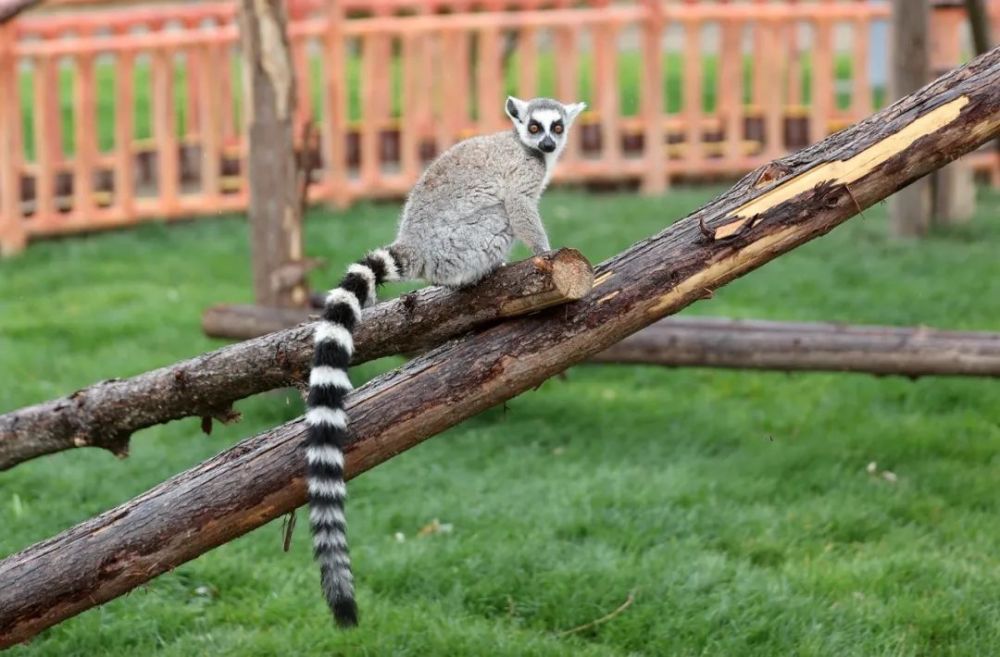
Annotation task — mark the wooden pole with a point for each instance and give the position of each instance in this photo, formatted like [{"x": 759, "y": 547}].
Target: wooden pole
[
  {"x": 106, "y": 414},
  {"x": 261, "y": 479},
  {"x": 275, "y": 213},
  {"x": 742, "y": 344},
  {"x": 910, "y": 208},
  {"x": 785, "y": 346}
]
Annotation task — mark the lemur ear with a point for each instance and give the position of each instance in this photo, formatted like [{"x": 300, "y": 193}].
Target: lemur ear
[
  {"x": 572, "y": 110},
  {"x": 516, "y": 109}
]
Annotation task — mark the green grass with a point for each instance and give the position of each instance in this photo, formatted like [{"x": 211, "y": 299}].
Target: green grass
[
  {"x": 734, "y": 504},
  {"x": 629, "y": 83}
]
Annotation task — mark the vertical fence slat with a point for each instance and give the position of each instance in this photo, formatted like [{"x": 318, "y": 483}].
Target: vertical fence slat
[
  {"x": 654, "y": 179},
  {"x": 12, "y": 232},
  {"x": 567, "y": 88},
  {"x": 455, "y": 104},
  {"x": 124, "y": 134},
  {"x": 85, "y": 129},
  {"x": 408, "y": 141},
  {"x": 370, "y": 118},
  {"x": 209, "y": 126},
  {"x": 822, "y": 99},
  {"x": 193, "y": 72},
  {"x": 489, "y": 80},
  {"x": 731, "y": 89},
  {"x": 692, "y": 94},
  {"x": 770, "y": 68},
  {"x": 165, "y": 129},
  {"x": 793, "y": 92},
  {"x": 528, "y": 55},
  {"x": 606, "y": 90},
  {"x": 336, "y": 106},
  {"x": 46, "y": 106},
  {"x": 862, "y": 102}
]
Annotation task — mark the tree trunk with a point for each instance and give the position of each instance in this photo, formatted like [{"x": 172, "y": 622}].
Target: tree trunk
[
  {"x": 275, "y": 207},
  {"x": 785, "y": 346},
  {"x": 910, "y": 209},
  {"x": 261, "y": 479},
  {"x": 107, "y": 413}
]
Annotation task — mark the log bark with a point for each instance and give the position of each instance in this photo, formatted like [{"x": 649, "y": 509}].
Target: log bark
[
  {"x": 910, "y": 210},
  {"x": 745, "y": 344},
  {"x": 787, "y": 346},
  {"x": 107, "y": 413},
  {"x": 260, "y": 479},
  {"x": 275, "y": 209}
]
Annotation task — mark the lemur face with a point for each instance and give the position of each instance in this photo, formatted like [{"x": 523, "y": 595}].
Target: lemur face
[{"x": 542, "y": 123}]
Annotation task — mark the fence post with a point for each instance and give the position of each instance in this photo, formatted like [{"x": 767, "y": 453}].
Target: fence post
[
  {"x": 910, "y": 208},
  {"x": 655, "y": 179},
  {"x": 12, "y": 234},
  {"x": 953, "y": 189}
]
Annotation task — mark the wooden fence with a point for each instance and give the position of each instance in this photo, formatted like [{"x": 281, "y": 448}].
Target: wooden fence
[{"x": 109, "y": 117}]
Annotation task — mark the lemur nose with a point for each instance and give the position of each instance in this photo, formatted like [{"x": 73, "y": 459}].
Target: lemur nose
[{"x": 547, "y": 145}]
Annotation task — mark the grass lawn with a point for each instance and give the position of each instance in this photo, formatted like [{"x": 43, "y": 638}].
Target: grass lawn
[{"x": 735, "y": 506}]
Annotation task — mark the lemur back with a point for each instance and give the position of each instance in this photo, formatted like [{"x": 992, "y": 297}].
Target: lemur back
[{"x": 457, "y": 226}]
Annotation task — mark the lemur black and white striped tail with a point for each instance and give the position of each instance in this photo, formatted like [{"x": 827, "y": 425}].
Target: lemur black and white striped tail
[{"x": 328, "y": 385}]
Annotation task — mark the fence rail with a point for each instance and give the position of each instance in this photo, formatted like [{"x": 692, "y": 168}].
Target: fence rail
[{"x": 109, "y": 117}]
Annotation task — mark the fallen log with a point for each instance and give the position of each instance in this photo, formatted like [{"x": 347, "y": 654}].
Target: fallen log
[
  {"x": 743, "y": 344},
  {"x": 787, "y": 346},
  {"x": 107, "y": 413},
  {"x": 807, "y": 195}
]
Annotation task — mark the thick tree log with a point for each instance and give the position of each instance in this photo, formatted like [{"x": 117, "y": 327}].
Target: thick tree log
[
  {"x": 786, "y": 346},
  {"x": 107, "y": 413},
  {"x": 275, "y": 209},
  {"x": 527, "y": 287},
  {"x": 260, "y": 479},
  {"x": 739, "y": 344}
]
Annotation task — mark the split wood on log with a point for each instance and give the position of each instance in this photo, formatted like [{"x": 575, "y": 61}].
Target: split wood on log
[
  {"x": 787, "y": 346},
  {"x": 107, "y": 413},
  {"x": 261, "y": 478}
]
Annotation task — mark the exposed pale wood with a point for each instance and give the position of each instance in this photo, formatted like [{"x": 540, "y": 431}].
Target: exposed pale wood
[
  {"x": 786, "y": 346},
  {"x": 106, "y": 414},
  {"x": 261, "y": 478},
  {"x": 910, "y": 209}
]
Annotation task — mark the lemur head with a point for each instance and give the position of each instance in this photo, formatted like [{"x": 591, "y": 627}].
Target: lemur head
[{"x": 542, "y": 123}]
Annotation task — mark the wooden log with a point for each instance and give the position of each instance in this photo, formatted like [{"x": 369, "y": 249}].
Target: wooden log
[
  {"x": 107, "y": 413},
  {"x": 274, "y": 210},
  {"x": 261, "y": 478},
  {"x": 786, "y": 346},
  {"x": 744, "y": 344},
  {"x": 910, "y": 210}
]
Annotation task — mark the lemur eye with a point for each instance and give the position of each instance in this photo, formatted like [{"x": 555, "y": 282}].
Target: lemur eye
[
  {"x": 533, "y": 128},
  {"x": 557, "y": 128}
]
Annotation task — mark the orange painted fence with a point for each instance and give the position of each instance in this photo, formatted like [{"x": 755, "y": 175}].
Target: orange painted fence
[{"x": 109, "y": 117}]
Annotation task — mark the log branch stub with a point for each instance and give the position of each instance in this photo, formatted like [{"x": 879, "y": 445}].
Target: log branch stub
[
  {"x": 261, "y": 478},
  {"x": 107, "y": 413}
]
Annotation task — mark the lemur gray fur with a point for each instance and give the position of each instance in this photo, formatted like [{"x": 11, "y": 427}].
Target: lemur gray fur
[{"x": 457, "y": 226}]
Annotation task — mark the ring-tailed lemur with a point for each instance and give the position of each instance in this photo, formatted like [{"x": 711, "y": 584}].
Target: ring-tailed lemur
[{"x": 458, "y": 225}]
